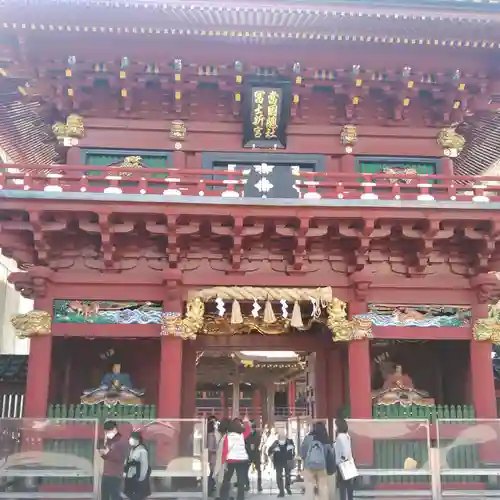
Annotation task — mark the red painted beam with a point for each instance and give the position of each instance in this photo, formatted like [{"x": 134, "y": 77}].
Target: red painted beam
[
  {"x": 418, "y": 333},
  {"x": 92, "y": 331}
]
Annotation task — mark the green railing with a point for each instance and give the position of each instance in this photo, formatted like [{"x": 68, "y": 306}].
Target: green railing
[
  {"x": 418, "y": 412},
  {"x": 102, "y": 412},
  {"x": 390, "y": 454}
]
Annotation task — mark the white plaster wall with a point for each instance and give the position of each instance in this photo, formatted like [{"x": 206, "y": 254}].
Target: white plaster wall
[{"x": 11, "y": 302}]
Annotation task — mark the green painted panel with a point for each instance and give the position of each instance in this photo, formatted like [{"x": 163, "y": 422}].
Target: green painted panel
[
  {"x": 379, "y": 165},
  {"x": 105, "y": 157},
  {"x": 375, "y": 167}
]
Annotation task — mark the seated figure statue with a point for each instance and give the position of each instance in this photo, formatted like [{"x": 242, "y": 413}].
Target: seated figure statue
[
  {"x": 398, "y": 388},
  {"x": 115, "y": 387}
]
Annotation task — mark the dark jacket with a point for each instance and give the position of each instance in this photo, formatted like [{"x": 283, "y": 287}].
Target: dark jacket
[
  {"x": 252, "y": 444},
  {"x": 282, "y": 454},
  {"x": 115, "y": 457}
]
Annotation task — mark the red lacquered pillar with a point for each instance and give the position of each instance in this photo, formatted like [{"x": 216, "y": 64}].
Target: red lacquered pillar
[
  {"x": 74, "y": 156},
  {"x": 256, "y": 405},
  {"x": 169, "y": 398},
  {"x": 360, "y": 390},
  {"x": 39, "y": 368},
  {"x": 347, "y": 164},
  {"x": 447, "y": 166},
  {"x": 335, "y": 382},
  {"x": 481, "y": 371},
  {"x": 170, "y": 384},
  {"x": 320, "y": 392},
  {"x": 482, "y": 383},
  {"x": 188, "y": 380},
  {"x": 291, "y": 397}
]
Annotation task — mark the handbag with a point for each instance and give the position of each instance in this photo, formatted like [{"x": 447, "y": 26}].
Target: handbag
[{"x": 348, "y": 469}]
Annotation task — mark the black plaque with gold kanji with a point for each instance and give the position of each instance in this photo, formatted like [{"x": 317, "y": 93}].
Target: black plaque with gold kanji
[{"x": 266, "y": 115}]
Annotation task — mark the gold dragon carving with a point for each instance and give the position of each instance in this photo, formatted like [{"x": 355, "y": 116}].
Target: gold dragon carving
[
  {"x": 344, "y": 330},
  {"x": 188, "y": 327},
  {"x": 32, "y": 324},
  {"x": 488, "y": 329}
]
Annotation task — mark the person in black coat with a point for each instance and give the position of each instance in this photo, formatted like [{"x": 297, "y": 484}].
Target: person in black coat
[
  {"x": 252, "y": 443},
  {"x": 137, "y": 470},
  {"x": 282, "y": 453}
]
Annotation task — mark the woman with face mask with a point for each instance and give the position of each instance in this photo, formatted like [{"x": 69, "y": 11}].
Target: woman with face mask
[
  {"x": 137, "y": 469},
  {"x": 113, "y": 454}
]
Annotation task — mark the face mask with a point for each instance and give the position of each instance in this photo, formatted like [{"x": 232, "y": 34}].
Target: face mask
[
  {"x": 110, "y": 434},
  {"x": 133, "y": 442},
  {"x": 282, "y": 441}
]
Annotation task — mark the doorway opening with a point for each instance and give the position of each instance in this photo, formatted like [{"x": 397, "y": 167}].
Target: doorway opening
[{"x": 266, "y": 386}]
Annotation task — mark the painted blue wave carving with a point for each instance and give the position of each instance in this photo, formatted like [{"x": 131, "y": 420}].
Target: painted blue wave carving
[
  {"x": 386, "y": 320},
  {"x": 132, "y": 316}
]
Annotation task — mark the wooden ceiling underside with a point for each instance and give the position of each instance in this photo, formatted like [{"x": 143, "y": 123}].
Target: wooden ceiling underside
[{"x": 221, "y": 369}]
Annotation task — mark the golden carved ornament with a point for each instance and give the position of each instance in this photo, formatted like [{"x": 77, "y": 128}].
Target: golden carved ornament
[
  {"x": 195, "y": 321},
  {"x": 178, "y": 130},
  {"x": 217, "y": 325},
  {"x": 344, "y": 330},
  {"x": 349, "y": 135},
  {"x": 188, "y": 327},
  {"x": 129, "y": 162},
  {"x": 73, "y": 128},
  {"x": 32, "y": 324},
  {"x": 487, "y": 330},
  {"x": 451, "y": 141},
  {"x": 399, "y": 171}
]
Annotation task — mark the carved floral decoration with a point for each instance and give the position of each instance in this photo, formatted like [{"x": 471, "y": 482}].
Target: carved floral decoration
[
  {"x": 73, "y": 128},
  {"x": 178, "y": 130},
  {"x": 325, "y": 309},
  {"x": 488, "y": 329},
  {"x": 451, "y": 141},
  {"x": 349, "y": 137},
  {"x": 32, "y": 324},
  {"x": 129, "y": 162},
  {"x": 401, "y": 171}
]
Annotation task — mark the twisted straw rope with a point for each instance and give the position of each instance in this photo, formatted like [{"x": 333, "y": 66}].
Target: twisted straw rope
[{"x": 323, "y": 295}]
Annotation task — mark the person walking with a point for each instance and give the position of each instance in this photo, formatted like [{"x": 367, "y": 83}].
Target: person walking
[
  {"x": 282, "y": 453},
  {"x": 235, "y": 458},
  {"x": 252, "y": 443},
  {"x": 343, "y": 452},
  {"x": 318, "y": 458},
  {"x": 137, "y": 469},
  {"x": 113, "y": 454},
  {"x": 212, "y": 452}
]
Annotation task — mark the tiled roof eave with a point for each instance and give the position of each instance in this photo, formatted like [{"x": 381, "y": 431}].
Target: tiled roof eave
[{"x": 204, "y": 13}]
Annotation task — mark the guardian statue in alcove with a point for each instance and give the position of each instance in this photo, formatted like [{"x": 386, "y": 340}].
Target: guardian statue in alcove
[{"x": 115, "y": 388}]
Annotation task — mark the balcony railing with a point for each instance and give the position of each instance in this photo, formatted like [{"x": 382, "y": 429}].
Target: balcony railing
[{"x": 230, "y": 184}]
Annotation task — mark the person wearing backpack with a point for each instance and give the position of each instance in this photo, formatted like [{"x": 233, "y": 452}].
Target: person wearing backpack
[{"x": 317, "y": 457}]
